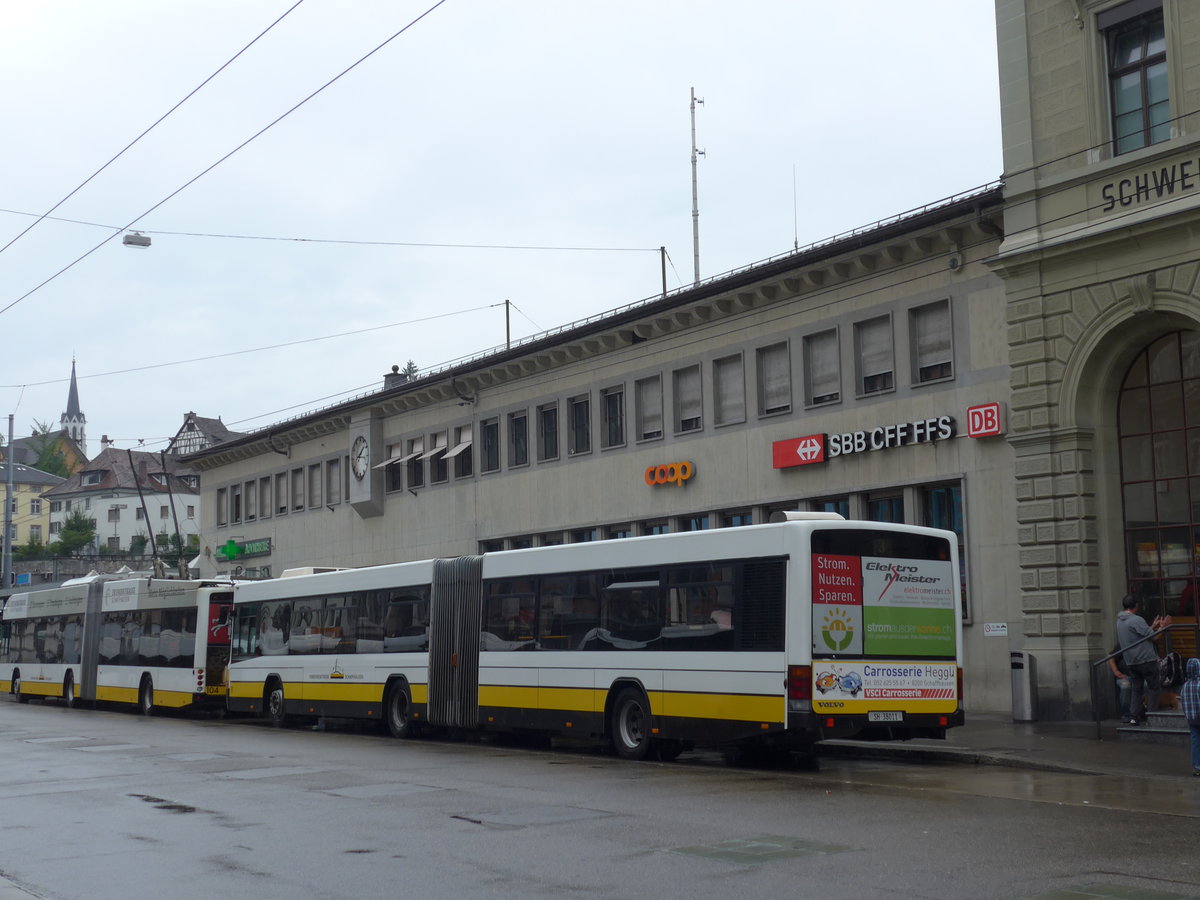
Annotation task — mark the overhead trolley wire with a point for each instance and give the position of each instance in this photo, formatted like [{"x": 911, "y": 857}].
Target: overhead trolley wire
[
  {"x": 244, "y": 143},
  {"x": 156, "y": 123}
]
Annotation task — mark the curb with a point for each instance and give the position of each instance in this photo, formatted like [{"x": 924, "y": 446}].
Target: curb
[{"x": 850, "y": 749}]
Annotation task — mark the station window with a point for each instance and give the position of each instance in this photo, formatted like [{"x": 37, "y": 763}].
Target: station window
[
  {"x": 735, "y": 518},
  {"x": 688, "y": 401},
  {"x": 416, "y": 462},
  {"x": 612, "y": 412},
  {"x": 297, "y": 490},
  {"x": 439, "y": 468},
  {"x": 822, "y": 367},
  {"x": 649, "y": 411},
  {"x": 314, "y": 485},
  {"x": 518, "y": 439},
  {"x": 873, "y": 343},
  {"x": 774, "y": 379},
  {"x": 281, "y": 494},
  {"x": 931, "y": 344},
  {"x": 579, "y": 425},
  {"x": 222, "y": 508},
  {"x": 729, "y": 390},
  {"x": 547, "y": 426},
  {"x": 489, "y": 452},
  {"x": 1139, "y": 94},
  {"x": 885, "y": 509},
  {"x": 264, "y": 497},
  {"x": 462, "y": 452},
  {"x": 333, "y": 482},
  {"x": 613, "y": 532}
]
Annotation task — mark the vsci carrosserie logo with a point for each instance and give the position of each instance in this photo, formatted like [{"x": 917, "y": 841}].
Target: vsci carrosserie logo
[{"x": 837, "y": 631}]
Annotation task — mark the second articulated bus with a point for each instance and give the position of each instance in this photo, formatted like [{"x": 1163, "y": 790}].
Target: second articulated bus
[{"x": 781, "y": 634}]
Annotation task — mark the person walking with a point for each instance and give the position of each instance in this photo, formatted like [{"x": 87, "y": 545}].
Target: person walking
[
  {"x": 1141, "y": 659},
  {"x": 1189, "y": 699}
]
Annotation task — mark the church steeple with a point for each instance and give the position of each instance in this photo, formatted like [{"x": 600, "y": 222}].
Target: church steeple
[{"x": 73, "y": 421}]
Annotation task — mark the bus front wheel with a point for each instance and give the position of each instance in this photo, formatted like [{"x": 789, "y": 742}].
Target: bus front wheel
[
  {"x": 16, "y": 689},
  {"x": 398, "y": 710},
  {"x": 276, "y": 705},
  {"x": 629, "y": 726},
  {"x": 69, "y": 691},
  {"x": 146, "y": 696}
]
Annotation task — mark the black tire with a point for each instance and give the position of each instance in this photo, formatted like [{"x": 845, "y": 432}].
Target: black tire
[
  {"x": 397, "y": 710},
  {"x": 146, "y": 696},
  {"x": 68, "y": 694},
  {"x": 275, "y": 705},
  {"x": 668, "y": 750},
  {"x": 16, "y": 689},
  {"x": 629, "y": 726}
]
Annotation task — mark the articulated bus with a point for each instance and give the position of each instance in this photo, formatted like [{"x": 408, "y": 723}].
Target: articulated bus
[
  {"x": 145, "y": 641},
  {"x": 780, "y": 635}
]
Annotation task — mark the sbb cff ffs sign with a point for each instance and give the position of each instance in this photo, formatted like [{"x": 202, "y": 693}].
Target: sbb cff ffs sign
[{"x": 800, "y": 451}]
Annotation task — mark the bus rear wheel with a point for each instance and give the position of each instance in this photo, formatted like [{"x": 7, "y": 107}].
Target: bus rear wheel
[
  {"x": 16, "y": 689},
  {"x": 68, "y": 694},
  {"x": 146, "y": 696},
  {"x": 629, "y": 725},
  {"x": 398, "y": 711}
]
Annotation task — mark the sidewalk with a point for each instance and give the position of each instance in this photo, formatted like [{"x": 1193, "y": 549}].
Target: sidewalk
[{"x": 994, "y": 740}]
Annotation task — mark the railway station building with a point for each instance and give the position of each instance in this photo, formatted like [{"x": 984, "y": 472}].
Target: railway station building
[{"x": 1019, "y": 364}]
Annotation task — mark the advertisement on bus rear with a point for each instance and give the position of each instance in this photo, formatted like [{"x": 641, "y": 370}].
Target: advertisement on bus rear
[{"x": 897, "y": 616}]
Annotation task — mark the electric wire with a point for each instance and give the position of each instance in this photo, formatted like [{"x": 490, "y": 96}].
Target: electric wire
[
  {"x": 348, "y": 241},
  {"x": 156, "y": 123},
  {"x": 243, "y": 144}
]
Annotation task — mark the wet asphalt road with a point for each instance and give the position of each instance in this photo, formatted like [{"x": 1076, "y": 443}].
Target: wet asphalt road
[{"x": 103, "y": 804}]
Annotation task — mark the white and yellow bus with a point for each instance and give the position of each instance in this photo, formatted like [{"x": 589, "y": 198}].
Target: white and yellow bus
[
  {"x": 780, "y": 634},
  {"x": 156, "y": 643}
]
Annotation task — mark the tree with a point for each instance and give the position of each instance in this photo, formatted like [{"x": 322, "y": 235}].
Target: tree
[
  {"x": 137, "y": 544},
  {"x": 410, "y": 369},
  {"x": 31, "y": 549},
  {"x": 78, "y": 531},
  {"x": 50, "y": 458}
]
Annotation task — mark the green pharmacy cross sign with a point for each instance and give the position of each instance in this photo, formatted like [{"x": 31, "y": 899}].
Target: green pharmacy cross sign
[{"x": 232, "y": 550}]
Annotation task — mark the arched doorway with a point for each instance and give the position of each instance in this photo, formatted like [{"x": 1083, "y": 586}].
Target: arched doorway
[{"x": 1158, "y": 424}]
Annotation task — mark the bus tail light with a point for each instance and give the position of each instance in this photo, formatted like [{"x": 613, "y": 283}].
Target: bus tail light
[
  {"x": 958, "y": 684},
  {"x": 799, "y": 682}
]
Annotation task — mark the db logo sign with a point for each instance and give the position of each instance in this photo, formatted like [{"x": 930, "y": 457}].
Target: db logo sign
[
  {"x": 986, "y": 420},
  {"x": 798, "y": 451},
  {"x": 671, "y": 473}
]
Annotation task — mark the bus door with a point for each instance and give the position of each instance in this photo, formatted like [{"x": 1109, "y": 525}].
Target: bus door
[
  {"x": 454, "y": 628},
  {"x": 219, "y": 630}
]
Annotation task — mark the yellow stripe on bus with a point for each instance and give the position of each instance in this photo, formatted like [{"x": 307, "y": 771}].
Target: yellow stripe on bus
[
  {"x": 728, "y": 707},
  {"x": 166, "y": 699},
  {"x": 367, "y": 693}
]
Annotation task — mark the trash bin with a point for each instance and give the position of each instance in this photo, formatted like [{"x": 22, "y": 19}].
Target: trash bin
[{"x": 1024, "y": 686}]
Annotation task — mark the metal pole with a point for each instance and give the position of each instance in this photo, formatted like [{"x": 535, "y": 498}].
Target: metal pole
[
  {"x": 181, "y": 563},
  {"x": 695, "y": 197},
  {"x": 6, "y": 578},
  {"x": 507, "y": 328},
  {"x": 662, "y": 253},
  {"x": 145, "y": 510}
]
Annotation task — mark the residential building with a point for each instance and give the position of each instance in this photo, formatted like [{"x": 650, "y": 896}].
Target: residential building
[
  {"x": 30, "y": 512},
  {"x": 129, "y": 494}
]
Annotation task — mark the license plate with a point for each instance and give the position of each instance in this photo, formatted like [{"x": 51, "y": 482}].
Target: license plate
[
  {"x": 214, "y": 691},
  {"x": 889, "y": 715}
]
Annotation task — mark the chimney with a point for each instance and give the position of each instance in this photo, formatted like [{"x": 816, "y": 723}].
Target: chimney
[
  {"x": 394, "y": 378},
  {"x": 105, "y": 443}
]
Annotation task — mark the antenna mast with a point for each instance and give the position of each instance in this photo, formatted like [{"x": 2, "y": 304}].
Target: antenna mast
[{"x": 695, "y": 203}]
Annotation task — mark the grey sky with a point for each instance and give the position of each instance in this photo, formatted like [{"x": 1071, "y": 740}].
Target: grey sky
[{"x": 561, "y": 124}]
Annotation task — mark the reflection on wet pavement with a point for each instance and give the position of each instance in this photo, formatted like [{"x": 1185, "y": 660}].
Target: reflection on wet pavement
[{"x": 1103, "y": 791}]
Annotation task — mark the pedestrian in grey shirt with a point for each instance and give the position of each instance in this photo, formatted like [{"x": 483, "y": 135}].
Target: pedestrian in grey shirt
[{"x": 1140, "y": 659}]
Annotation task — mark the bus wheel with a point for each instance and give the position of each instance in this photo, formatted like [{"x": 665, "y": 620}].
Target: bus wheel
[
  {"x": 69, "y": 691},
  {"x": 397, "y": 709},
  {"x": 668, "y": 750},
  {"x": 275, "y": 705},
  {"x": 146, "y": 696},
  {"x": 628, "y": 726},
  {"x": 16, "y": 688}
]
